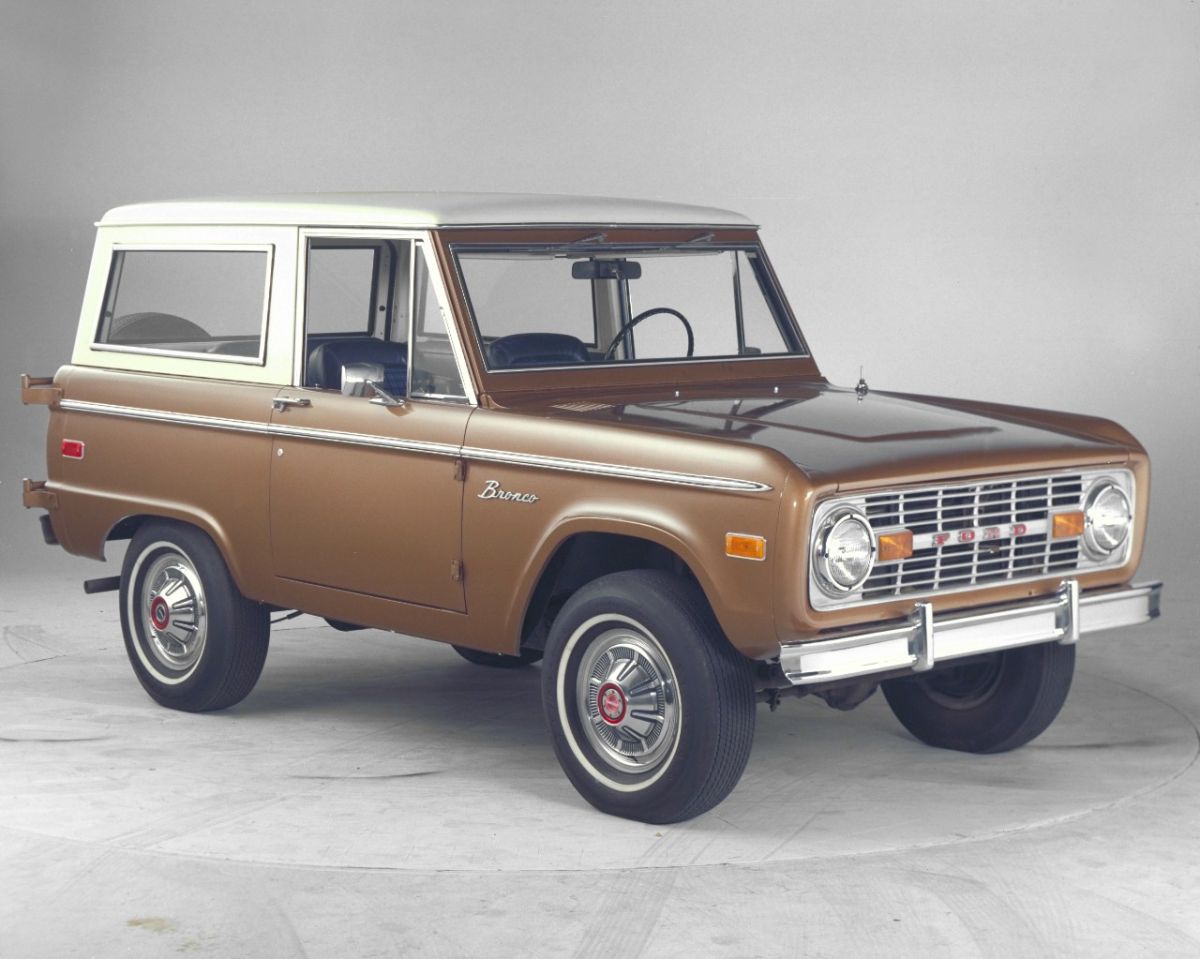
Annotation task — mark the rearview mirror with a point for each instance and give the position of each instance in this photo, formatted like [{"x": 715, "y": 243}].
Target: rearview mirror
[{"x": 606, "y": 270}]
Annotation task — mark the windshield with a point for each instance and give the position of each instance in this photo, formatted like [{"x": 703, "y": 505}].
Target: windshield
[{"x": 554, "y": 306}]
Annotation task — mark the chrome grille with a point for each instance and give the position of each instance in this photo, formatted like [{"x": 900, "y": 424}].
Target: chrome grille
[{"x": 1006, "y": 522}]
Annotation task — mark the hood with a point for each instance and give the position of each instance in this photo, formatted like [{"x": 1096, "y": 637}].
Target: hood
[{"x": 832, "y": 433}]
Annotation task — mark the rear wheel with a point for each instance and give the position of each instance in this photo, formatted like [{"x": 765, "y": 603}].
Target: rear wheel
[
  {"x": 194, "y": 641},
  {"x": 990, "y": 705},
  {"x": 650, "y": 709}
]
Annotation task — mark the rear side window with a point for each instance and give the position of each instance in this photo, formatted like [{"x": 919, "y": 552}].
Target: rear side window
[{"x": 210, "y": 304}]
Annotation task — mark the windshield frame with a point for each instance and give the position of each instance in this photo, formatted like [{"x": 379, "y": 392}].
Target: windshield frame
[{"x": 651, "y": 372}]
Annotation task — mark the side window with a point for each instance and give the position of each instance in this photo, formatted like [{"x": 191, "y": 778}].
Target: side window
[
  {"x": 356, "y": 311},
  {"x": 434, "y": 370},
  {"x": 341, "y": 281},
  {"x": 208, "y": 303}
]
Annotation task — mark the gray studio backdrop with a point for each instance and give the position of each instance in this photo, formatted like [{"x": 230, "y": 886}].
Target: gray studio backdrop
[{"x": 983, "y": 200}]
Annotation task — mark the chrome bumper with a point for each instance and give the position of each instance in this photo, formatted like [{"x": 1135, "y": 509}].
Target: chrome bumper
[{"x": 924, "y": 639}]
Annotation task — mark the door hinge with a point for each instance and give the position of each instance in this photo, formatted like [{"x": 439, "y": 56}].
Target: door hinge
[
  {"x": 460, "y": 469},
  {"x": 457, "y": 570}
]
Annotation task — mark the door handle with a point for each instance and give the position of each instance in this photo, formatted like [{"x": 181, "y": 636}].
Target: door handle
[{"x": 281, "y": 403}]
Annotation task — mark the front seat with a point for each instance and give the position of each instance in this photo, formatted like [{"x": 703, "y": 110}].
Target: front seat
[
  {"x": 536, "y": 349},
  {"x": 327, "y": 359}
]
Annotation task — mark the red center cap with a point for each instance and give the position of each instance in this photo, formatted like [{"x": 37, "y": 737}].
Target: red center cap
[
  {"x": 612, "y": 703},
  {"x": 160, "y": 613}
]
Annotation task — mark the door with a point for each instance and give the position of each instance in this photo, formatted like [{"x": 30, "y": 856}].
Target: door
[{"x": 365, "y": 495}]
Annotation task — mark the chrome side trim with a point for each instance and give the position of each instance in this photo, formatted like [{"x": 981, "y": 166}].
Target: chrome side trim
[
  {"x": 925, "y": 640},
  {"x": 364, "y": 439},
  {"x": 693, "y": 480},
  {"x": 165, "y": 416},
  {"x": 610, "y": 469},
  {"x": 266, "y": 429}
]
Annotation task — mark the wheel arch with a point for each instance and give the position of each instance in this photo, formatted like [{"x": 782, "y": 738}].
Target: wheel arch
[
  {"x": 580, "y": 551},
  {"x": 127, "y": 526}
]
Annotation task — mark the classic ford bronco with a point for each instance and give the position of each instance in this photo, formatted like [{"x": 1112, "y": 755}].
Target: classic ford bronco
[{"x": 575, "y": 430}]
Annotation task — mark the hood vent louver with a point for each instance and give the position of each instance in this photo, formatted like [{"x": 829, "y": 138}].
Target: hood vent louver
[{"x": 582, "y": 406}]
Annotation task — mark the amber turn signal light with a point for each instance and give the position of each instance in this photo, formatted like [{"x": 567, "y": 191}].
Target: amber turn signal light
[
  {"x": 745, "y": 546},
  {"x": 1068, "y": 524},
  {"x": 894, "y": 546}
]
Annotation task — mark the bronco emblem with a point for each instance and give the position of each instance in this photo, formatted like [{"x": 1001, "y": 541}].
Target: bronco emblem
[{"x": 492, "y": 490}]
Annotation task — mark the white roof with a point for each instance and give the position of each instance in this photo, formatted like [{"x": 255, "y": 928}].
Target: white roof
[{"x": 420, "y": 210}]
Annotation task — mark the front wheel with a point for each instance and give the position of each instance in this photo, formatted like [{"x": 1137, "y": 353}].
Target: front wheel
[
  {"x": 195, "y": 642},
  {"x": 990, "y": 705},
  {"x": 651, "y": 711}
]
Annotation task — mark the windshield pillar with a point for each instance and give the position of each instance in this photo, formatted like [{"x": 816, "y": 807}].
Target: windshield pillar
[{"x": 739, "y": 311}]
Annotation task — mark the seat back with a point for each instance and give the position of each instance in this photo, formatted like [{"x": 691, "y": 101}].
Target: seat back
[
  {"x": 537, "y": 349},
  {"x": 326, "y": 360}
]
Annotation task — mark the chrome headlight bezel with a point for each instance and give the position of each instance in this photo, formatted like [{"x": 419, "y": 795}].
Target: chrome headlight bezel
[
  {"x": 844, "y": 516},
  {"x": 1094, "y": 542}
]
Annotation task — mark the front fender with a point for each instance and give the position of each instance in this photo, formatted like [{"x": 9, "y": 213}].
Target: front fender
[{"x": 507, "y": 554}]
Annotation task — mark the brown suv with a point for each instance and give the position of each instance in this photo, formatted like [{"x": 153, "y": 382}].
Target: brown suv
[{"x": 580, "y": 429}]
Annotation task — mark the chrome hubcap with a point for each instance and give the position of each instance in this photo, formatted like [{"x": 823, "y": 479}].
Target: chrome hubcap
[
  {"x": 174, "y": 612},
  {"x": 628, "y": 699}
]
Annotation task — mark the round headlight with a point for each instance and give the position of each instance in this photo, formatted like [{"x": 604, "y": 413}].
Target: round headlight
[
  {"x": 844, "y": 552},
  {"x": 1107, "y": 517}
]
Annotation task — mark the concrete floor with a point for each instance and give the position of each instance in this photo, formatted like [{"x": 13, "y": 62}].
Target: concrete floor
[{"x": 378, "y": 796}]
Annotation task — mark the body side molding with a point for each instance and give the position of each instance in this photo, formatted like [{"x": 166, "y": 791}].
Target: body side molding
[{"x": 694, "y": 480}]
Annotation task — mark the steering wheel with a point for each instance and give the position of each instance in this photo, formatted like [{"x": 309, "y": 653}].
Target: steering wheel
[{"x": 645, "y": 314}]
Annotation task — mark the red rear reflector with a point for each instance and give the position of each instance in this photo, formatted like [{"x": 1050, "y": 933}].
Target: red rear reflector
[{"x": 72, "y": 449}]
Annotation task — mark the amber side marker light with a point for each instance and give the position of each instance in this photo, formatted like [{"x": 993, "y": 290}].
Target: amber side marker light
[
  {"x": 894, "y": 546},
  {"x": 745, "y": 546},
  {"x": 1068, "y": 524}
]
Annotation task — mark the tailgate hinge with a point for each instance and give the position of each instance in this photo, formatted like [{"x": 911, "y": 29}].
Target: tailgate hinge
[
  {"x": 34, "y": 495},
  {"x": 39, "y": 390}
]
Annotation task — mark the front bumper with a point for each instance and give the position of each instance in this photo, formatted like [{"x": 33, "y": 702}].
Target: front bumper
[{"x": 925, "y": 640}]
